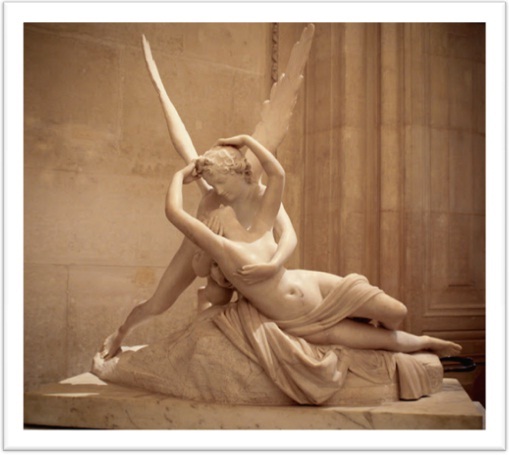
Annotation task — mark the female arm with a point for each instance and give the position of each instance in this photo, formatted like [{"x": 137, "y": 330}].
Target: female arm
[
  {"x": 265, "y": 219},
  {"x": 193, "y": 229}
]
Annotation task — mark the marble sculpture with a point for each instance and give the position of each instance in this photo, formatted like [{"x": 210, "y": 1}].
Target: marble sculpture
[{"x": 266, "y": 334}]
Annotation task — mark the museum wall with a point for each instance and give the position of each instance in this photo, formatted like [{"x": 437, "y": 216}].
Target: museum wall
[
  {"x": 98, "y": 161},
  {"x": 386, "y": 164}
]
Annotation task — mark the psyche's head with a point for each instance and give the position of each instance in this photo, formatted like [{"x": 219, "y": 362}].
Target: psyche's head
[{"x": 226, "y": 170}]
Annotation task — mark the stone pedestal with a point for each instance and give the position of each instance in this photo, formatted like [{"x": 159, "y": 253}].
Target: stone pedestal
[{"x": 87, "y": 402}]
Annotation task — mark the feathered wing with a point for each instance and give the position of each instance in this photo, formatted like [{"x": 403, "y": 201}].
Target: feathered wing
[
  {"x": 178, "y": 133},
  {"x": 277, "y": 110}
]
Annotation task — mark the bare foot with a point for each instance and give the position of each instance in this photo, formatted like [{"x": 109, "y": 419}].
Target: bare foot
[
  {"x": 111, "y": 346},
  {"x": 443, "y": 348}
]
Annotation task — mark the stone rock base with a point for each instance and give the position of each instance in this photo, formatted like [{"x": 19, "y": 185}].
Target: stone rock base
[
  {"x": 87, "y": 402},
  {"x": 191, "y": 365}
]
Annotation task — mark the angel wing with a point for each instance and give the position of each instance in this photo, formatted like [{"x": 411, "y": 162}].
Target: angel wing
[
  {"x": 277, "y": 110},
  {"x": 178, "y": 133}
]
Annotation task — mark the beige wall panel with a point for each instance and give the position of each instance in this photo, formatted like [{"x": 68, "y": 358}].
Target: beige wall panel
[
  {"x": 45, "y": 324},
  {"x": 248, "y": 93},
  {"x": 390, "y": 169},
  {"x": 390, "y": 252},
  {"x": 439, "y": 39},
  {"x": 168, "y": 37},
  {"x": 461, "y": 93},
  {"x": 336, "y": 205},
  {"x": 414, "y": 299},
  {"x": 416, "y": 252},
  {"x": 416, "y": 146},
  {"x": 353, "y": 170},
  {"x": 479, "y": 97},
  {"x": 354, "y": 103},
  {"x": 241, "y": 45},
  {"x": 71, "y": 82},
  {"x": 439, "y": 91},
  {"x": 440, "y": 162},
  {"x": 459, "y": 258},
  {"x": 71, "y": 147},
  {"x": 479, "y": 173},
  {"x": 478, "y": 251},
  {"x": 317, "y": 193},
  {"x": 416, "y": 87},
  {"x": 229, "y": 44},
  {"x": 390, "y": 82},
  {"x": 353, "y": 245},
  {"x": 456, "y": 300},
  {"x": 319, "y": 92},
  {"x": 337, "y": 77},
  {"x": 439, "y": 247},
  {"x": 466, "y": 40},
  {"x": 100, "y": 298},
  {"x": 94, "y": 219},
  {"x": 460, "y": 172},
  {"x": 459, "y": 322}
]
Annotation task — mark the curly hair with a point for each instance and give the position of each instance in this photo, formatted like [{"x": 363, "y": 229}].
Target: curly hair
[{"x": 223, "y": 160}]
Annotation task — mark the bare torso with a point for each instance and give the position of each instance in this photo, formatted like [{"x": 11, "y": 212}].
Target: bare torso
[{"x": 292, "y": 292}]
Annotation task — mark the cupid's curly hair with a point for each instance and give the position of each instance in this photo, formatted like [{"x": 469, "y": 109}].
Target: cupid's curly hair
[{"x": 223, "y": 160}]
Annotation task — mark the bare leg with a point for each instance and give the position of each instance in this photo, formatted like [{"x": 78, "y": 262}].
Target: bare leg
[
  {"x": 385, "y": 309},
  {"x": 364, "y": 336},
  {"x": 382, "y": 308},
  {"x": 177, "y": 277}
]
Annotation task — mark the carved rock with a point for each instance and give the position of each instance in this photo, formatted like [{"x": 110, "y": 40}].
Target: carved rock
[{"x": 201, "y": 364}]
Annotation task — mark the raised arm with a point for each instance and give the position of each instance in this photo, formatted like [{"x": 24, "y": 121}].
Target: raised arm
[
  {"x": 271, "y": 200},
  {"x": 178, "y": 133},
  {"x": 192, "y": 228}
]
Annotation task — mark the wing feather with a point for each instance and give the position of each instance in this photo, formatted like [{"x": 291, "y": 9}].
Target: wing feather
[{"x": 277, "y": 110}]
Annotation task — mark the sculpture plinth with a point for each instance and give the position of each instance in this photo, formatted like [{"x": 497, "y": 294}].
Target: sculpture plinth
[{"x": 87, "y": 402}]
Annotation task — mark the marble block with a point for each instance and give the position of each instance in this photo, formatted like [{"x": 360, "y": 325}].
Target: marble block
[
  {"x": 85, "y": 401},
  {"x": 195, "y": 362}
]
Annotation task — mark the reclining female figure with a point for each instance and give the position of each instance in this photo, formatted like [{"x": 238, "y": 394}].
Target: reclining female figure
[{"x": 288, "y": 294}]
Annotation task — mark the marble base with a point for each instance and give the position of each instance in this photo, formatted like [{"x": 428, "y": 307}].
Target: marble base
[{"x": 87, "y": 402}]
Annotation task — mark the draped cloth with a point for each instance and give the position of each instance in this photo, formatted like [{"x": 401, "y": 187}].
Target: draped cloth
[
  {"x": 312, "y": 374},
  {"x": 349, "y": 295}
]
